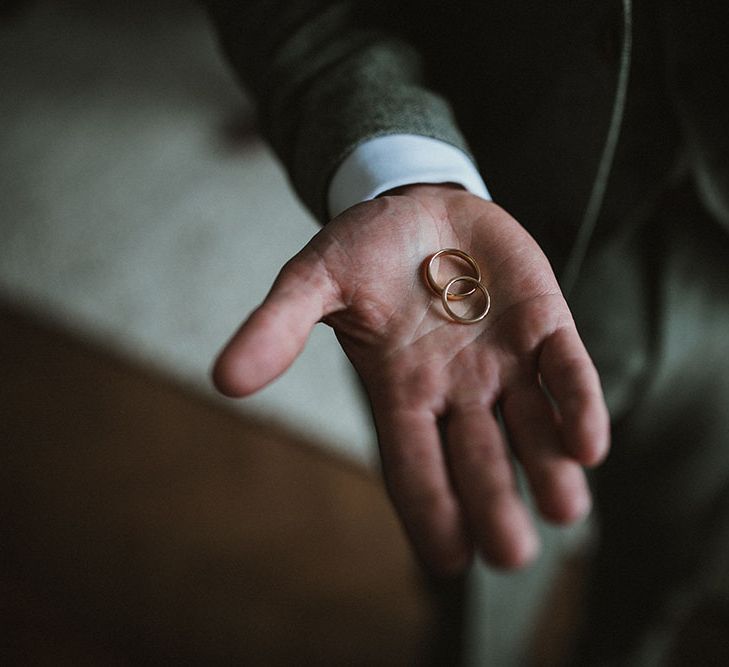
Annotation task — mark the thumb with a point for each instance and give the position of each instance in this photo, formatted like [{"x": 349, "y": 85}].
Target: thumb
[{"x": 275, "y": 333}]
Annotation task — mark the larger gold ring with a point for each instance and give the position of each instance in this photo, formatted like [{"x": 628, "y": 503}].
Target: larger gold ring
[
  {"x": 477, "y": 285},
  {"x": 440, "y": 291}
]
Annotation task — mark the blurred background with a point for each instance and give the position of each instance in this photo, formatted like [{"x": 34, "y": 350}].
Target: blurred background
[{"x": 145, "y": 519}]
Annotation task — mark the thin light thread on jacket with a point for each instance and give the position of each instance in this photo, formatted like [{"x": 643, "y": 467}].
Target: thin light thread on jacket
[{"x": 597, "y": 194}]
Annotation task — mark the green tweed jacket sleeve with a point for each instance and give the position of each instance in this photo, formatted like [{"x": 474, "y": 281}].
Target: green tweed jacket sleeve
[{"x": 327, "y": 75}]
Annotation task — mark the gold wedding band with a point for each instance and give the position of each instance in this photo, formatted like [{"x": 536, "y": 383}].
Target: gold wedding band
[
  {"x": 433, "y": 284},
  {"x": 477, "y": 285},
  {"x": 447, "y": 295}
]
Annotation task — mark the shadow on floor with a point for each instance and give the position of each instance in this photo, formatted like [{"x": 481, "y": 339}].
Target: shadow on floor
[{"x": 143, "y": 524}]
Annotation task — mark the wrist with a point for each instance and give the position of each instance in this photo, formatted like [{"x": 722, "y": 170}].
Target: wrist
[
  {"x": 426, "y": 189},
  {"x": 449, "y": 195}
]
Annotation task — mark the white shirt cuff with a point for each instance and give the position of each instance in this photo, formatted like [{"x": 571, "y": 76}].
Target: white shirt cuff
[{"x": 390, "y": 161}]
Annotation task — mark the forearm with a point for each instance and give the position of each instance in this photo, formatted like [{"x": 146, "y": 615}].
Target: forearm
[{"x": 327, "y": 78}]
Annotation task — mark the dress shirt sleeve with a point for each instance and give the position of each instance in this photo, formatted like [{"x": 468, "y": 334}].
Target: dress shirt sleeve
[{"x": 388, "y": 162}]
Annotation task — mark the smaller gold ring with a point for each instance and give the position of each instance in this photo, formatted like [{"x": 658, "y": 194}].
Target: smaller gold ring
[
  {"x": 436, "y": 288},
  {"x": 477, "y": 285}
]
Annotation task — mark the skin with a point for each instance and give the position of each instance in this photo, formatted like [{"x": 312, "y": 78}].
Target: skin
[{"x": 436, "y": 386}]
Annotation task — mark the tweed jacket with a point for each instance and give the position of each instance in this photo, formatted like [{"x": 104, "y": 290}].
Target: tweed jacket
[{"x": 527, "y": 89}]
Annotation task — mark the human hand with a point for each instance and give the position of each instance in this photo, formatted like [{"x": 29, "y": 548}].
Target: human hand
[{"x": 435, "y": 385}]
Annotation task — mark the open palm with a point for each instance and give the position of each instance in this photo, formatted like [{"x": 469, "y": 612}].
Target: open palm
[{"x": 438, "y": 388}]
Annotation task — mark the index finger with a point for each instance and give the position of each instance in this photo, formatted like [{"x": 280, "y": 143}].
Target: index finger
[{"x": 573, "y": 382}]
